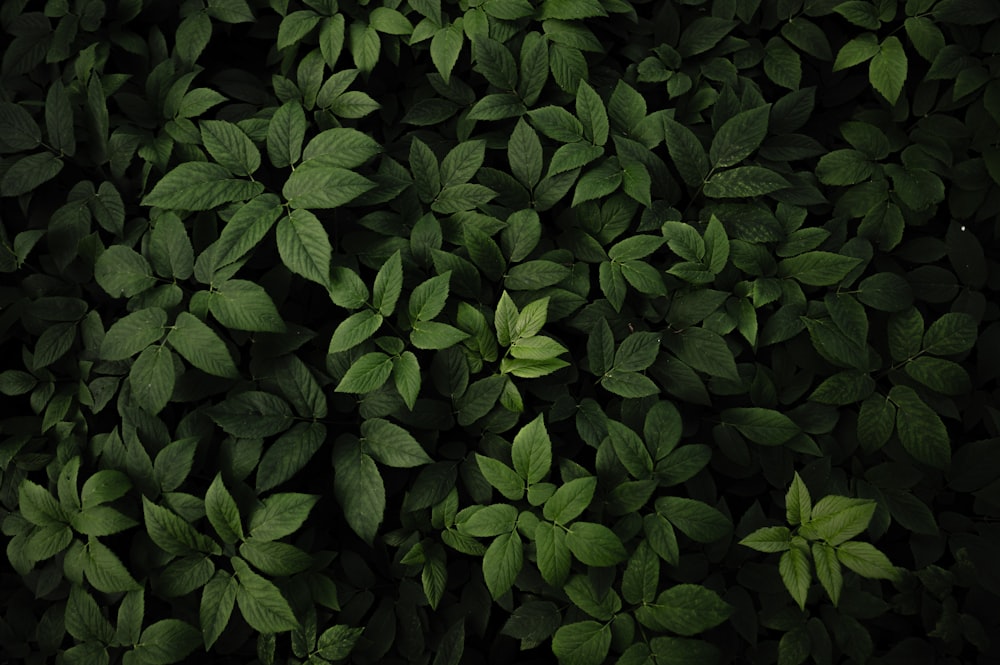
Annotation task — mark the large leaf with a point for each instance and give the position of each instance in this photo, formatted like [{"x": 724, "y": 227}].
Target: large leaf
[{"x": 200, "y": 186}]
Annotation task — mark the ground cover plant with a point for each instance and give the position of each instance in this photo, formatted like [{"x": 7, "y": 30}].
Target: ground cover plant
[{"x": 496, "y": 331}]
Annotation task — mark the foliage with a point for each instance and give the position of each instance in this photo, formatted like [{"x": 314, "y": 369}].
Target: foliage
[{"x": 384, "y": 331}]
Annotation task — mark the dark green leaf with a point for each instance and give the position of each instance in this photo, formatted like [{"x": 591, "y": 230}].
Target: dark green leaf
[
  {"x": 200, "y": 186},
  {"x": 201, "y": 347}
]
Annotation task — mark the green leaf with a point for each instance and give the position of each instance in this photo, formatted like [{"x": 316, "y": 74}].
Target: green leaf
[
  {"x": 524, "y": 153},
  {"x": 388, "y": 285},
  {"x": 552, "y": 554},
  {"x": 133, "y": 333},
  {"x": 502, "y": 562},
  {"x": 685, "y": 609},
  {"x": 241, "y": 305},
  {"x": 818, "y": 268},
  {"x": 287, "y": 128},
  {"x": 246, "y": 228},
  {"x": 920, "y": 429},
  {"x": 251, "y": 414},
  {"x": 828, "y": 570},
  {"x": 860, "y": 49},
  {"x": 944, "y": 376},
  {"x": 876, "y": 421},
  {"x": 337, "y": 642},
  {"x": 769, "y": 539},
  {"x": 230, "y": 146},
  {"x": 795, "y": 570},
  {"x": 260, "y": 602},
  {"x": 304, "y": 246},
  {"x": 697, "y": 520},
  {"x": 406, "y": 376},
  {"x": 764, "y": 426},
  {"x": 630, "y": 450},
  {"x": 629, "y": 384},
  {"x": 354, "y": 330},
  {"x": 595, "y": 544},
  {"x": 222, "y": 511},
  {"x": 342, "y": 147},
  {"x": 530, "y": 320},
  {"x": 583, "y": 642},
  {"x": 502, "y": 477},
  {"x": 798, "y": 502},
  {"x": 28, "y": 173},
  {"x": 123, "y": 272},
  {"x": 318, "y": 184},
  {"x": 200, "y": 186},
  {"x": 429, "y": 298},
  {"x": 84, "y": 619},
  {"x": 366, "y": 374},
  {"x": 570, "y": 500},
  {"x": 905, "y": 332},
  {"x": 282, "y": 515},
  {"x": 866, "y": 561},
  {"x": 166, "y": 641},
  {"x": 703, "y": 34},
  {"x": 105, "y": 570},
  {"x": 598, "y": 182},
  {"x": 743, "y": 182},
  {"x": 925, "y": 35},
  {"x": 886, "y": 291},
  {"x": 391, "y": 22},
  {"x": 887, "y": 70},
  {"x": 557, "y": 123},
  {"x": 532, "y": 451},
  {"x": 571, "y": 9},
  {"x": 954, "y": 332},
  {"x": 289, "y": 454},
  {"x": 839, "y": 526},
  {"x": 705, "y": 351},
  {"x": 103, "y": 486},
  {"x": 739, "y": 137},
  {"x": 436, "y": 336},
  {"x": 391, "y": 444},
  {"x": 461, "y": 198},
  {"x": 536, "y": 348},
  {"x": 359, "y": 489},
  {"x": 487, "y": 521},
  {"x": 18, "y": 130},
  {"x": 170, "y": 248},
  {"x": 782, "y": 63},
  {"x": 844, "y": 167},
  {"x": 445, "y": 48},
  {"x": 686, "y": 152},
  {"x": 642, "y": 575},
  {"x": 152, "y": 378},
  {"x": 494, "y": 62},
  {"x": 218, "y": 598},
  {"x": 200, "y": 346},
  {"x": 173, "y": 463},
  {"x": 172, "y": 533},
  {"x": 592, "y": 114}
]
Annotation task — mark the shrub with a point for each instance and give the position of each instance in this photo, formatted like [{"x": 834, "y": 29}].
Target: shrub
[{"x": 485, "y": 331}]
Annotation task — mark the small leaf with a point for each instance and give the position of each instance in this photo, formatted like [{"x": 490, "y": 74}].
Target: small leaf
[
  {"x": 388, "y": 285},
  {"x": 502, "y": 562},
  {"x": 241, "y": 305},
  {"x": 260, "y": 602},
  {"x": 595, "y": 544},
  {"x": 582, "y": 643},
  {"x": 532, "y": 451},
  {"x": 769, "y": 539},
  {"x": 201, "y": 347},
  {"x": 887, "y": 70},
  {"x": 764, "y": 426},
  {"x": 222, "y": 512},
  {"x": 920, "y": 429},
  {"x": 133, "y": 333},
  {"x": 685, "y": 609},
  {"x": 304, "y": 245},
  {"x": 391, "y": 444},
  {"x": 200, "y": 186},
  {"x": 796, "y": 573},
  {"x": 866, "y": 561}
]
